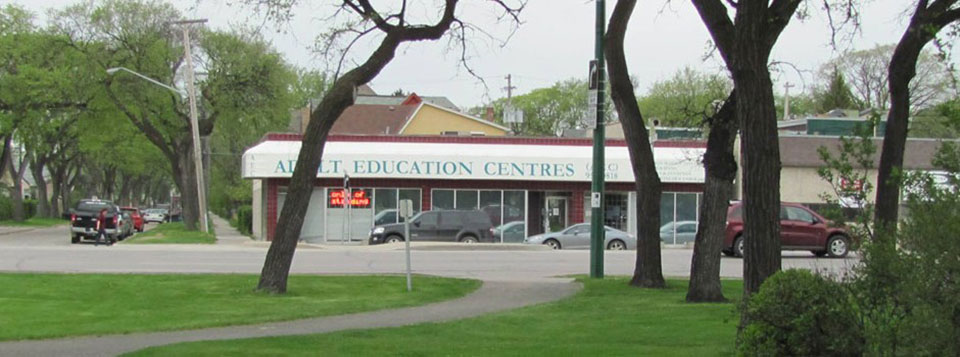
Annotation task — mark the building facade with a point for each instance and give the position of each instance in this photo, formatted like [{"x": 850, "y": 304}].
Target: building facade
[{"x": 542, "y": 182}]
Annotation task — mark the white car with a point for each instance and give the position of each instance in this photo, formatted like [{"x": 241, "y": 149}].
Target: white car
[{"x": 153, "y": 215}]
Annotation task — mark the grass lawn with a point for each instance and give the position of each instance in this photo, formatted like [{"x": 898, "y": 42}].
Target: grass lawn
[
  {"x": 171, "y": 233},
  {"x": 608, "y": 318},
  {"x": 35, "y": 222},
  {"x": 36, "y": 306}
]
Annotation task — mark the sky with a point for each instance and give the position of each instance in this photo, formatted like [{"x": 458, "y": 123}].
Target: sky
[{"x": 555, "y": 42}]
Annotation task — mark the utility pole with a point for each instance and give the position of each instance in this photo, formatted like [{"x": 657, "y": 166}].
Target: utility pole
[
  {"x": 509, "y": 88},
  {"x": 508, "y": 111},
  {"x": 596, "y": 187},
  {"x": 195, "y": 130},
  {"x": 786, "y": 100}
]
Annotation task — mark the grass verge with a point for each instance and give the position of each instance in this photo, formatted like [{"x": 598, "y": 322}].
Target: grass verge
[
  {"x": 607, "y": 318},
  {"x": 172, "y": 233},
  {"x": 35, "y": 222},
  {"x": 34, "y": 306}
]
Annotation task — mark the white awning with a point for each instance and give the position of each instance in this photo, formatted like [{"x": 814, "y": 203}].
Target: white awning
[{"x": 411, "y": 160}]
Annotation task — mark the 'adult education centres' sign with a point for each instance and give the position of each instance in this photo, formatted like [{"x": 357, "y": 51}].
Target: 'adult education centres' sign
[{"x": 467, "y": 161}]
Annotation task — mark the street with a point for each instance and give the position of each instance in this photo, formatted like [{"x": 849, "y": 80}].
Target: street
[{"x": 49, "y": 250}]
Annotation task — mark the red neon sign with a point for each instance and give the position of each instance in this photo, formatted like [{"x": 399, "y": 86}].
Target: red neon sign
[{"x": 358, "y": 199}]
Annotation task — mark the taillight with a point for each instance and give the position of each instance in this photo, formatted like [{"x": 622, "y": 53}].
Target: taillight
[
  {"x": 73, "y": 218},
  {"x": 115, "y": 220}
]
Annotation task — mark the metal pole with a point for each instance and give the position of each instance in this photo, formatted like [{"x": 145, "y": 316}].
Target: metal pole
[
  {"x": 596, "y": 197},
  {"x": 406, "y": 246},
  {"x": 195, "y": 131}
]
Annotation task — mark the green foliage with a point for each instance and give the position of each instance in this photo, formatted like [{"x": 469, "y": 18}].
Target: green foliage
[
  {"x": 29, "y": 208},
  {"x": 801, "y": 105},
  {"x": 799, "y": 313},
  {"x": 548, "y": 111},
  {"x": 848, "y": 170},
  {"x": 172, "y": 233},
  {"x": 244, "y": 221},
  {"x": 941, "y": 121},
  {"x": 685, "y": 99},
  {"x": 836, "y": 95},
  {"x": 6, "y": 208}
]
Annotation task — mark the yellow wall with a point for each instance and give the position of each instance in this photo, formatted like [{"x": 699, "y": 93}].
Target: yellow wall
[
  {"x": 802, "y": 184},
  {"x": 433, "y": 121}
]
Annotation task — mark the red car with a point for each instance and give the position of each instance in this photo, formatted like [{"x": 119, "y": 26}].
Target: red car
[
  {"x": 137, "y": 217},
  {"x": 800, "y": 229}
]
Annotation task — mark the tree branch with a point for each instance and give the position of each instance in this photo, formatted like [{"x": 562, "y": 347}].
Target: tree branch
[{"x": 721, "y": 28}]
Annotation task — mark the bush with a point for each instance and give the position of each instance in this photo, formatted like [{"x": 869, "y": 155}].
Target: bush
[
  {"x": 6, "y": 208},
  {"x": 244, "y": 221},
  {"x": 798, "y": 313},
  {"x": 29, "y": 208}
]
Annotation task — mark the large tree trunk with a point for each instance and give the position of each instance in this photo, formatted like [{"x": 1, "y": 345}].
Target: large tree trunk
[
  {"x": 647, "y": 270},
  {"x": 186, "y": 182},
  {"x": 924, "y": 25},
  {"x": 720, "y": 169},
  {"x": 16, "y": 192},
  {"x": 43, "y": 207}
]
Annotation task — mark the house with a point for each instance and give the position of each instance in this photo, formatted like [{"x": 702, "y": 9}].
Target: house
[{"x": 409, "y": 115}]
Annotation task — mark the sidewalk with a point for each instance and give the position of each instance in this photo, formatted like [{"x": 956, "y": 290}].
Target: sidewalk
[
  {"x": 226, "y": 234},
  {"x": 492, "y": 297}
]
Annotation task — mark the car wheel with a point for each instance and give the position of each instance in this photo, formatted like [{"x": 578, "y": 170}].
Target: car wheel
[
  {"x": 616, "y": 244},
  {"x": 819, "y": 253},
  {"x": 74, "y": 239},
  {"x": 468, "y": 239},
  {"x": 553, "y": 244},
  {"x": 738, "y": 247},
  {"x": 394, "y": 239},
  {"x": 838, "y": 246}
]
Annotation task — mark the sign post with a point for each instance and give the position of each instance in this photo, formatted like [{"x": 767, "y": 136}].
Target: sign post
[
  {"x": 596, "y": 202},
  {"x": 406, "y": 210}
]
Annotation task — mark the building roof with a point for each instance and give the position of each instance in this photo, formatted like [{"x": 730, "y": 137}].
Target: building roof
[
  {"x": 391, "y": 100},
  {"x": 368, "y": 119},
  {"x": 801, "y": 151}
]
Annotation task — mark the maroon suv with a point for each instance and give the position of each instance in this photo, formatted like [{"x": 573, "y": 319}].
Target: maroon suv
[{"x": 800, "y": 229}]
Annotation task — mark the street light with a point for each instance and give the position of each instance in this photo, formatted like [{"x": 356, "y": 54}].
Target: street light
[{"x": 195, "y": 131}]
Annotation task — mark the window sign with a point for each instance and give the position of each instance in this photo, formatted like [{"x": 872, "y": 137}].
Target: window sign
[{"x": 358, "y": 199}]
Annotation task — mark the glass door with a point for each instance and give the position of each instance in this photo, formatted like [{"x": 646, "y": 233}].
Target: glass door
[{"x": 556, "y": 213}]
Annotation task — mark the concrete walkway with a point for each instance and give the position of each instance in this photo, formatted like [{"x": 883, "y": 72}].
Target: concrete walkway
[
  {"x": 226, "y": 234},
  {"x": 492, "y": 297}
]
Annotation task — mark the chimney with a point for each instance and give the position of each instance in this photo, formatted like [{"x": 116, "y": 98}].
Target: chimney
[{"x": 489, "y": 115}]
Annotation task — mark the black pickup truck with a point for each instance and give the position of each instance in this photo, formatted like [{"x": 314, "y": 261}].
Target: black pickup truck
[{"x": 83, "y": 220}]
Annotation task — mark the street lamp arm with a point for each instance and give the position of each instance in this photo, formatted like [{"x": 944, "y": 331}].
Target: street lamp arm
[{"x": 113, "y": 70}]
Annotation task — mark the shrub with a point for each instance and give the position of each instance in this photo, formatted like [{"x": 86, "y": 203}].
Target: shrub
[
  {"x": 29, "y": 208},
  {"x": 245, "y": 219},
  {"x": 6, "y": 208},
  {"x": 798, "y": 313}
]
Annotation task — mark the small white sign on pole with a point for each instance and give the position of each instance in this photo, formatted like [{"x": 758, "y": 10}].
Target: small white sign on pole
[
  {"x": 591, "y": 120},
  {"x": 595, "y": 200},
  {"x": 406, "y": 211}
]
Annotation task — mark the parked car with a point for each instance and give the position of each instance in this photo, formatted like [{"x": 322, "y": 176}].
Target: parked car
[
  {"x": 386, "y": 216},
  {"x": 679, "y": 232},
  {"x": 578, "y": 236},
  {"x": 438, "y": 225},
  {"x": 153, "y": 215},
  {"x": 512, "y": 232},
  {"x": 135, "y": 216},
  {"x": 800, "y": 229},
  {"x": 83, "y": 220},
  {"x": 126, "y": 224}
]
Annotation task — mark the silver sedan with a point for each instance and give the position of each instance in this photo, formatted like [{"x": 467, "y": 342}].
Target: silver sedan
[{"x": 577, "y": 236}]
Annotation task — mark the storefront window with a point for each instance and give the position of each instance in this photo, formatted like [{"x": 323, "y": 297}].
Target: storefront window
[
  {"x": 466, "y": 200},
  {"x": 413, "y": 195},
  {"x": 385, "y": 207},
  {"x": 442, "y": 199},
  {"x": 490, "y": 203},
  {"x": 514, "y": 203},
  {"x": 678, "y": 212},
  {"x": 615, "y": 210}
]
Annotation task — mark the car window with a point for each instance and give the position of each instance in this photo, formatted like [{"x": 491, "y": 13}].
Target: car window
[
  {"x": 429, "y": 218},
  {"x": 799, "y": 214},
  {"x": 451, "y": 218},
  {"x": 687, "y": 228},
  {"x": 783, "y": 213},
  {"x": 516, "y": 229},
  {"x": 737, "y": 212},
  {"x": 579, "y": 229}
]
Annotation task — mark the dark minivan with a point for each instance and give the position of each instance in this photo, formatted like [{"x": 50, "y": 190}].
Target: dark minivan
[{"x": 439, "y": 225}]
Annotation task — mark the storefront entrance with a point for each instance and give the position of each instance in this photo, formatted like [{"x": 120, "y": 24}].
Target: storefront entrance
[
  {"x": 556, "y": 217},
  {"x": 350, "y": 216}
]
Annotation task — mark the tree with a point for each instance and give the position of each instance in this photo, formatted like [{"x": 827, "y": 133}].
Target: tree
[
  {"x": 548, "y": 111},
  {"x": 928, "y": 19},
  {"x": 836, "y": 94},
  {"x": 647, "y": 271},
  {"x": 866, "y": 73},
  {"x": 396, "y": 29},
  {"x": 744, "y": 43},
  {"x": 720, "y": 169},
  {"x": 244, "y": 76},
  {"x": 682, "y": 100}
]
